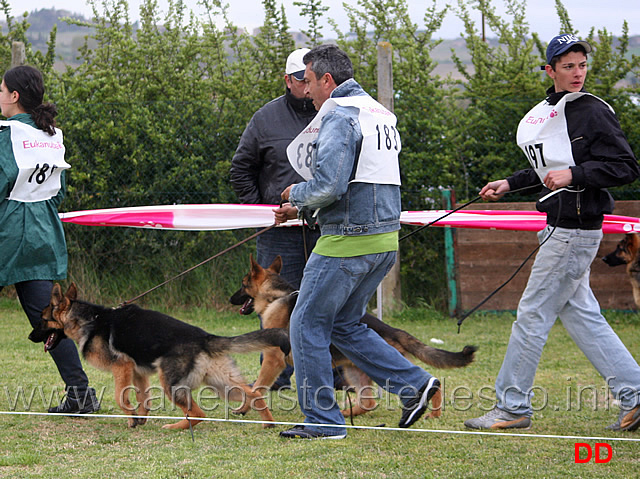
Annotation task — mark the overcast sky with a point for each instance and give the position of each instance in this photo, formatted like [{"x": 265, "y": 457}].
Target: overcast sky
[{"x": 541, "y": 14}]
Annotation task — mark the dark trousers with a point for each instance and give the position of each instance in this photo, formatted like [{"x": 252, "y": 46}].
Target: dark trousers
[
  {"x": 34, "y": 296},
  {"x": 289, "y": 243}
]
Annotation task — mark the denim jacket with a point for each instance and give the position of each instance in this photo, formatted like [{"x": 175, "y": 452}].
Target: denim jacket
[{"x": 346, "y": 209}]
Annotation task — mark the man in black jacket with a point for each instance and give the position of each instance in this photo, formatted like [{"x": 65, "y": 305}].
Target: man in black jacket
[
  {"x": 576, "y": 149},
  {"x": 260, "y": 171}
]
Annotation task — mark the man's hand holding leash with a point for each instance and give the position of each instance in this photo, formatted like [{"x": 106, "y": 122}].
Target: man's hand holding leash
[
  {"x": 493, "y": 190},
  {"x": 558, "y": 179},
  {"x": 285, "y": 212},
  {"x": 553, "y": 180}
]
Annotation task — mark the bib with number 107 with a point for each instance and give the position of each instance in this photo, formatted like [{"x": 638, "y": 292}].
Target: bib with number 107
[
  {"x": 40, "y": 160},
  {"x": 544, "y": 138},
  {"x": 378, "y": 160}
]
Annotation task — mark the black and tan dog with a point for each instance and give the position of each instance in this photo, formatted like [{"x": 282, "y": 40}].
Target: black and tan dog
[
  {"x": 627, "y": 252},
  {"x": 133, "y": 343},
  {"x": 266, "y": 292}
]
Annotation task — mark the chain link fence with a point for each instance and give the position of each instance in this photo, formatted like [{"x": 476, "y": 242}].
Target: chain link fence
[{"x": 163, "y": 153}]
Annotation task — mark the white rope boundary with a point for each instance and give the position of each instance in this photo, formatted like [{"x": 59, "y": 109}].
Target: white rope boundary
[{"x": 373, "y": 428}]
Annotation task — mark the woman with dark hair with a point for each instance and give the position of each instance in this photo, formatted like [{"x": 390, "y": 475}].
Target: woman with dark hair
[{"x": 33, "y": 251}]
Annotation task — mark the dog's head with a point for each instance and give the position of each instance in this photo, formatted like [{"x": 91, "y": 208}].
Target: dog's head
[
  {"x": 252, "y": 284},
  {"x": 51, "y": 329},
  {"x": 626, "y": 251}
]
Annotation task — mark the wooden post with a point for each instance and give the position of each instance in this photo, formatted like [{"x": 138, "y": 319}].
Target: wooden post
[
  {"x": 389, "y": 293},
  {"x": 18, "y": 54}
]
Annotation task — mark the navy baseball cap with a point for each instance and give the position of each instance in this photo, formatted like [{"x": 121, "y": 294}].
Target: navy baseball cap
[{"x": 560, "y": 44}]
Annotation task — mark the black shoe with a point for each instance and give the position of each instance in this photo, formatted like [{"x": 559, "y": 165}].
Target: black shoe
[
  {"x": 301, "y": 432},
  {"x": 78, "y": 402},
  {"x": 277, "y": 386},
  {"x": 416, "y": 406}
]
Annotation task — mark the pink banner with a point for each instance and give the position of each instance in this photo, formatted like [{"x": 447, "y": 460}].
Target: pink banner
[{"x": 234, "y": 216}]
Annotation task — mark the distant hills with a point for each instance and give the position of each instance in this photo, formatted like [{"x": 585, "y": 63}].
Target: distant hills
[{"x": 71, "y": 37}]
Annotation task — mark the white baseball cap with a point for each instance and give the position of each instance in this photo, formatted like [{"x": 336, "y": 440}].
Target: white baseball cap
[{"x": 295, "y": 65}]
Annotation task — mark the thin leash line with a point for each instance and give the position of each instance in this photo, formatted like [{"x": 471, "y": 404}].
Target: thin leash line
[
  {"x": 519, "y": 268},
  {"x": 461, "y": 207},
  {"x": 249, "y": 238},
  {"x": 441, "y": 218},
  {"x": 372, "y": 428}
]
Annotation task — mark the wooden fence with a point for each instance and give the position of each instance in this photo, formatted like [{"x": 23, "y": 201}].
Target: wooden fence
[{"x": 484, "y": 259}]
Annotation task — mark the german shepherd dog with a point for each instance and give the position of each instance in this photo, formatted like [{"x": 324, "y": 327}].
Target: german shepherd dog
[
  {"x": 133, "y": 343},
  {"x": 273, "y": 298},
  {"x": 626, "y": 252}
]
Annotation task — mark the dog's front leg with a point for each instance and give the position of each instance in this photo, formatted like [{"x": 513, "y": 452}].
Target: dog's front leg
[
  {"x": 141, "y": 383},
  {"x": 123, "y": 376}
]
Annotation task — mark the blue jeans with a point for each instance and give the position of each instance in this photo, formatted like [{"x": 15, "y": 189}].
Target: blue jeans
[
  {"x": 289, "y": 243},
  {"x": 34, "y": 296},
  {"x": 559, "y": 287},
  {"x": 333, "y": 297}
]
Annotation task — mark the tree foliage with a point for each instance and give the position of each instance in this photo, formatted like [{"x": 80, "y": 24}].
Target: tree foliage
[{"x": 154, "y": 112}]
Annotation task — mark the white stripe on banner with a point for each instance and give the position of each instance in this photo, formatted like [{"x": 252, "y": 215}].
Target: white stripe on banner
[{"x": 207, "y": 217}]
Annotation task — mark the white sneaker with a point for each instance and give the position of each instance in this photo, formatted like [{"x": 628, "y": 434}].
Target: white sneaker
[{"x": 499, "y": 419}]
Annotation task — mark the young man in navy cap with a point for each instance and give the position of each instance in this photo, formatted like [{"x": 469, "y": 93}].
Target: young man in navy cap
[{"x": 576, "y": 150}]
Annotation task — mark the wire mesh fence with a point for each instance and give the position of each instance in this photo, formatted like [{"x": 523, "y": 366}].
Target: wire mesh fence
[{"x": 162, "y": 153}]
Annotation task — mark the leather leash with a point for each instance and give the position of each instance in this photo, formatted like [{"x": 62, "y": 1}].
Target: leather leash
[{"x": 249, "y": 238}]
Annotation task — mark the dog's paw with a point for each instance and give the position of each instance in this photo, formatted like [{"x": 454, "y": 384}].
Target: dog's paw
[{"x": 136, "y": 421}]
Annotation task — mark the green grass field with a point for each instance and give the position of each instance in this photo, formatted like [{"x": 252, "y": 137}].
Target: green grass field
[{"x": 570, "y": 401}]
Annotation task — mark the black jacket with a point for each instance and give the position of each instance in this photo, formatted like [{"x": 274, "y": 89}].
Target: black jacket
[
  {"x": 603, "y": 159},
  {"x": 260, "y": 169}
]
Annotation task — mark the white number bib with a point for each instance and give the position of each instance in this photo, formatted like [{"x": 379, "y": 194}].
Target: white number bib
[
  {"x": 543, "y": 136},
  {"x": 40, "y": 160},
  {"x": 378, "y": 160}
]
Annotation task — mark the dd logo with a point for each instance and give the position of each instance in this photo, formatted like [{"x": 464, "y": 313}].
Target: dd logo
[{"x": 598, "y": 447}]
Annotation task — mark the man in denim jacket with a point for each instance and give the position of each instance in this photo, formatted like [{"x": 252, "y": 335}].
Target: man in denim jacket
[{"x": 353, "y": 142}]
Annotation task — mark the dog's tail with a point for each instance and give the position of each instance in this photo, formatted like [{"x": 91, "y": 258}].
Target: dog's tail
[
  {"x": 406, "y": 343},
  {"x": 259, "y": 340}
]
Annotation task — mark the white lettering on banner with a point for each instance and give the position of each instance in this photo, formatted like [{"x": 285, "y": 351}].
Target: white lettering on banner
[
  {"x": 543, "y": 136},
  {"x": 40, "y": 161},
  {"x": 378, "y": 160}
]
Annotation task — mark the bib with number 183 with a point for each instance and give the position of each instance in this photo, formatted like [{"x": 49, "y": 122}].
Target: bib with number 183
[{"x": 378, "y": 160}]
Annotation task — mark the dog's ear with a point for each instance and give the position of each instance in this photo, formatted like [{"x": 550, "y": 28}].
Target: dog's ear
[
  {"x": 56, "y": 295},
  {"x": 72, "y": 292},
  {"x": 276, "y": 266},
  {"x": 633, "y": 240},
  {"x": 255, "y": 267}
]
